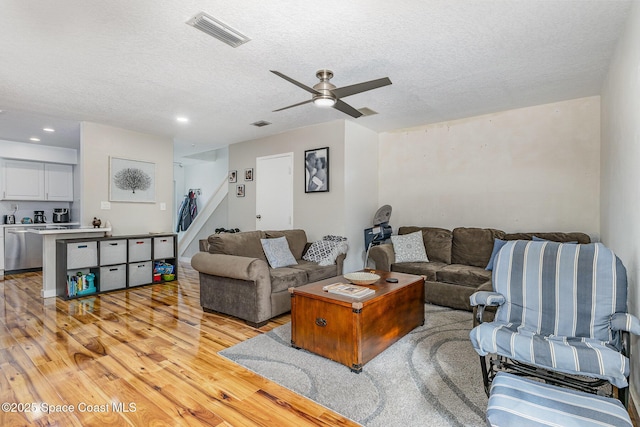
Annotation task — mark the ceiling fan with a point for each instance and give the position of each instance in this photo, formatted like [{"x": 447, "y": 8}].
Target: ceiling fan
[{"x": 325, "y": 94}]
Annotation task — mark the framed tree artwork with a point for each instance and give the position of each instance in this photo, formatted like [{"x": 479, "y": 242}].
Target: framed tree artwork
[
  {"x": 316, "y": 175},
  {"x": 132, "y": 181}
]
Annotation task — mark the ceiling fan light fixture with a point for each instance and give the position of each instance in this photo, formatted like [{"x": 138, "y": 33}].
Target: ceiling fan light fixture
[
  {"x": 325, "y": 94},
  {"x": 324, "y": 101}
]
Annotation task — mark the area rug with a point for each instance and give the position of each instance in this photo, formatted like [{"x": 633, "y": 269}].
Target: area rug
[{"x": 431, "y": 377}]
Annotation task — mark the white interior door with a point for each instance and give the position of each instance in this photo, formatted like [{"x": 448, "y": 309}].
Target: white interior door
[{"x": 274, "y": 192}]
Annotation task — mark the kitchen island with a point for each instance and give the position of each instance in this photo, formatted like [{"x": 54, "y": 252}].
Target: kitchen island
[
  {"x": 21, "y": 250},
  {"x": 50, "y": 236}
]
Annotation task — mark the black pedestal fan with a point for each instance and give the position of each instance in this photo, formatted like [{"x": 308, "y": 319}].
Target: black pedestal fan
[{"x": 380, "y": 232}]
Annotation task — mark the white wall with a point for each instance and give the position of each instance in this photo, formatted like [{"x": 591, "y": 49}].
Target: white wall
[
  {"x": 361, "y": 189},
  {"x": 316, "y": 213},
  {"x": 218, "y": 219},
  {"x": 620, "y": 206},
  {"x": 352, "y": 200},
  {"x": 206, "y": 175},
  {"x": 100, "y": 142},
  {"x": 529, "y": 169}
]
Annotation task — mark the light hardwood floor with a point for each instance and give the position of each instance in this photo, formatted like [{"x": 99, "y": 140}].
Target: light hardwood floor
[{"x": 143, "y": 357}]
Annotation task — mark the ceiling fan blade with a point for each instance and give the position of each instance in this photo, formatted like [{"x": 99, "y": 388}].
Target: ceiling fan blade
[
  {"x": 347, "y": 109},
  {"x": 294, "y": 105},
  {"x": 345, "y": 91},
  {"x": 295, "y": 82}
]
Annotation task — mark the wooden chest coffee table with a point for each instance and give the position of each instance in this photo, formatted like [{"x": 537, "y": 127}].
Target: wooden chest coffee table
[{"x": 351, "y": 331}]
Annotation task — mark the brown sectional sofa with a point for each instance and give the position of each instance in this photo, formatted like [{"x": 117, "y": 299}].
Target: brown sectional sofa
[
  {"x": 457, "y": 260},
  {"x": 236, "y": 279}
]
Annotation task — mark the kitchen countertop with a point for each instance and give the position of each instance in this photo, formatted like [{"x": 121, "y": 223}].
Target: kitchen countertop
[
  {"x": 70, "y": 230},
  {"x": 42, "y": 224}
]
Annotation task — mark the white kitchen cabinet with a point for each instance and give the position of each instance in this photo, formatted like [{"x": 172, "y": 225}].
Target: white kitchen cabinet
[
  {"x": 23, "y": 180},
  {"x": 58, "y": 181}
]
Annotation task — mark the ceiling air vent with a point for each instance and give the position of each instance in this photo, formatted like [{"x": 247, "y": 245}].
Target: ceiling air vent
[
  {"x": 260, "y": 123},
  {"x": 218, "y": 29}
]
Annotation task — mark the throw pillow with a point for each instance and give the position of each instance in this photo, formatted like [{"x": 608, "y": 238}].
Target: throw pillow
[
  {"x": 497, "y": 245},
  {"x": 325, "y": 251},
  {"x": 409, "y": 247},
  {"x": 319, "y": 250},
  {"x": 277, "y": 252}
]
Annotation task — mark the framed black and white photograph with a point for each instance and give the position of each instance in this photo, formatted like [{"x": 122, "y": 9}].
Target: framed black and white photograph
[
  {"x": 248, "y": 174},
  {"x": 132, "y": 181},
  {"x": 233, "y": 176},
  {"x": 240, "y": 190},
  {"x": 316, "y": 175}
]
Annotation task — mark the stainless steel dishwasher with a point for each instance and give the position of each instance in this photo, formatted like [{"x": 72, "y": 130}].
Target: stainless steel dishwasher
[{"x": 22, "y": 250}]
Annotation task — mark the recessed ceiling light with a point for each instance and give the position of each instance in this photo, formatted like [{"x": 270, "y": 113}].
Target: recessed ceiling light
[
  {"x": 34, "y": 139},
  {"x": 182, "y": 119},
  {"x": 48, "y": 129}
]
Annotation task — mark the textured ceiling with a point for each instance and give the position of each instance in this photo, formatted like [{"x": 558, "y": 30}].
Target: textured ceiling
[{"x": 136, "y": 64}]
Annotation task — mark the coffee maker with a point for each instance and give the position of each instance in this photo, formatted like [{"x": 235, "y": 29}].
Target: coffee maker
[
  {"x": 60, "y": 215},
  {"x": 38, "y": 217}
]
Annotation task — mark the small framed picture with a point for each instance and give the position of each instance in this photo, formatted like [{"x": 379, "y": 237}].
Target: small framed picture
[
  {"x": 248, "y": 174},
  {"x": 233, "y": 176},
  {"x": 240, "y": 190},
  {"x": 316, "y": 176}
]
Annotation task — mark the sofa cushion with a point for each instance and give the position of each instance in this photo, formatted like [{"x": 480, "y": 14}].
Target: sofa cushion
[
  {"x": 297, "y": 240},
  {"x": 317, "y": 272},
  {"x": 473, "y": 246},
  {"x": 277, "y": 252},
  {"x": 286, "y": 277},
  {"x": 409, "y": 248},
  {"x": 464, "y": 275},
  {"x": 437, "y": 241},
  {"x": 553, "y": 236},
  {"x": 427, "y": 269},
  {"x": 245, "y": 243}
]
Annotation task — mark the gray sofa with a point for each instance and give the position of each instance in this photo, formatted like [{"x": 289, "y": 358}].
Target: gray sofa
[
  {"x": 457, "y": 260},
  {"x": 236, "y": 279}
]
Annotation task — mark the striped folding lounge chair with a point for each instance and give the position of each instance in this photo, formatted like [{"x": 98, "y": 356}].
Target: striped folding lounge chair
[
  {"x": 561, "y": 316},
  {"x": 517, "y": 401}
]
